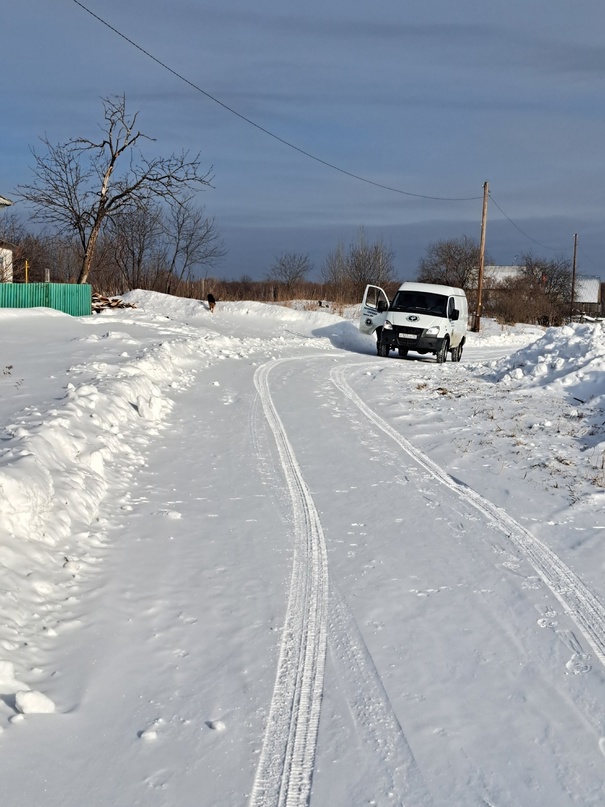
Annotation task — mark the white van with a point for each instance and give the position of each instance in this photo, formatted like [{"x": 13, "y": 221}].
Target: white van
[{"x": 422, "y": 317}]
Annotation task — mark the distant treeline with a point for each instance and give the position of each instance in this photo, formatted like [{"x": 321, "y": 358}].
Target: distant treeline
[{"x": 540, "y": 291}]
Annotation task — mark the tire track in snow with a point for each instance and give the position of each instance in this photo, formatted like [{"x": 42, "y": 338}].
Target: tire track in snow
[
  {"x": 358, "y": 677},
  {"x": 285, "y": 769},
  {"x": 370, "y": 705},
  {"x": 578, "y": 602}
]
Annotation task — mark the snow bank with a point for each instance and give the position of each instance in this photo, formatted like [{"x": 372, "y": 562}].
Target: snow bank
[
  {"x": 571, "y": 358},
  {"x": 58, "y": 461},
  {"x": 52, "y": 473},
  {"x": 494, "y": 333},
  {"x": 309, "y": 321},
  {"x": 168, "y": 306},
  {"x": 30, "y": 702}
]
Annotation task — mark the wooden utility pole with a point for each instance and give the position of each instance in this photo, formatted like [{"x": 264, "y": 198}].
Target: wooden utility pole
[
  {"x": 477, "y": 322},
  {"x": 573, "y": 275}
]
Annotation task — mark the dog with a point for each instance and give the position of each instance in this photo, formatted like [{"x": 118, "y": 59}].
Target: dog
[{"x": 211, "y": 302}]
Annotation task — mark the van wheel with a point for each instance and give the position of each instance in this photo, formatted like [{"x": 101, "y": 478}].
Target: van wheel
[
  {"x": 383, "y": 349},
  {"x": 456, "y": 353},
  {"x": 441, "y": 354},
  {"x": 403, "y": 352}
]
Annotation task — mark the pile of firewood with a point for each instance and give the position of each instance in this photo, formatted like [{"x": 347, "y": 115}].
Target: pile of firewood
[{"x": 100, "y": 302}]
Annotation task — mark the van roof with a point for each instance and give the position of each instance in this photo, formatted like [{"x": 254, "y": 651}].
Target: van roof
[{"x": 432, "y": 287}]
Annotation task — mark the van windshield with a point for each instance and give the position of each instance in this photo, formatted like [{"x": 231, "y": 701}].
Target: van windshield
[{"x": 420, "y": 301}]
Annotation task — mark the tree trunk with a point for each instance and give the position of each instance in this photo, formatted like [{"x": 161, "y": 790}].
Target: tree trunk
[{"x": 89, "y": 253}]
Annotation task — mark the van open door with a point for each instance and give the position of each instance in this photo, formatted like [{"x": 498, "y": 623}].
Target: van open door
[{"x": 373, "y": 309}]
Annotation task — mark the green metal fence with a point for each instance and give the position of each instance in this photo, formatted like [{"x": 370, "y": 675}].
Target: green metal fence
[{"x": 71, "y": 298}]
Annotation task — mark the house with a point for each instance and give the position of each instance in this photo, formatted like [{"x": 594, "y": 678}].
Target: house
[
  {"x": 587, "y": 296},
  {"x": 587, "y": 291}
]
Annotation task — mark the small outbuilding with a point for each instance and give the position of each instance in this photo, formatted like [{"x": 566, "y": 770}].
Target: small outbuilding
[{"x": 587, "y": 296}]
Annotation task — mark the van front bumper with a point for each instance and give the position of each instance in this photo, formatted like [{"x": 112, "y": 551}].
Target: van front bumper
[{"x": 395, "y": 339}]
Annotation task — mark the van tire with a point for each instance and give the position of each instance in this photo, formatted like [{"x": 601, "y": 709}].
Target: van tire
[
  {"x": 456, "y": 353},
  {"x": 441, "y": 354},
  {"x": 383, "y": 349}
]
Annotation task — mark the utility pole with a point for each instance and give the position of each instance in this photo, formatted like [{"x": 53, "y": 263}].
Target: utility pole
[
  {"x": 573, "y": 275},
  {"x": 477, "y": 322}
]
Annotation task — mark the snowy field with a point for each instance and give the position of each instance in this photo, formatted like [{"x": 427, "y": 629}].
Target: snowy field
[{"x": 245, "y": 561}]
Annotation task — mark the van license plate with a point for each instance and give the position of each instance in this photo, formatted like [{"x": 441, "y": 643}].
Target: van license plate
[{"x": 407, "y": 336}]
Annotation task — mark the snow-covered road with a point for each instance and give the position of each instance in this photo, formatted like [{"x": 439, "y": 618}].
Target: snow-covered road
[{"x": 304, "y": 583}]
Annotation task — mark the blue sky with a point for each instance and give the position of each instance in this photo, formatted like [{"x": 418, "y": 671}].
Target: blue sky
[{"x": 431, "y": 98}]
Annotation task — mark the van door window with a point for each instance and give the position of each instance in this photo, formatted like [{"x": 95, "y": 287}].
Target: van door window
[
  {"x": 373, "y": 296},
  {"x": 451, "y": 305}
]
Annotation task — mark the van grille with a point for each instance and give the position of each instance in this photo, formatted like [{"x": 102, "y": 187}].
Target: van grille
[{"x": 404, "y": 329}]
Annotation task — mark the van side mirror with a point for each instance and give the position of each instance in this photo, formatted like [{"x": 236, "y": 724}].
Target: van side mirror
[
  {"x": 382, "y": 306},
  {"x": 455, "y": 314}
]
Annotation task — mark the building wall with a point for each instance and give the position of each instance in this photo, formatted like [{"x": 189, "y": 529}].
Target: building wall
[
  {"x": 588, "y": 290},
  {"x": 6, "y": 266}
]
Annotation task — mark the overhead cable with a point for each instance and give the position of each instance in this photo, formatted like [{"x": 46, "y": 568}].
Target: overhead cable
[
  {"x": 544, "y": 246},
  {"x": 267, "y": 131}
]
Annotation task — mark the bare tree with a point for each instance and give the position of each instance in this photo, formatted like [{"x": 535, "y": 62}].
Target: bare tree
[
  {"x": 540, "y": 292},
  {"x": 548, "y": 283},
  {"x": 348, "y": 270},
  {"x": 553, "y": 277},
  {"x": 192, "y": 241},
  {"x": 158, "y": 247},
  {"x": 78, "y": 185},
  {"x": 453, "y": 262},
  {"x": 135, "y": 236},
  {"x": 290, "y": 269},
  {"x": 334, "y": 273}
]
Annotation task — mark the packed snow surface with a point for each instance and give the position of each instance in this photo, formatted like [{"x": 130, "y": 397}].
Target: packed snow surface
[{"x": 246, "y": 561}]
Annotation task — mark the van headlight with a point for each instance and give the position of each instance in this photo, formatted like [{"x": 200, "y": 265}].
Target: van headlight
[
  {"x": 388, "y": 326},
  {"x": 434, "y": 331}
]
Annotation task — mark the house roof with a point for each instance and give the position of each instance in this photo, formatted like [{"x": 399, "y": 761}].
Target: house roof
[
  {"x": 4, "y": 202},
  {"x": 502, "y": 272}
]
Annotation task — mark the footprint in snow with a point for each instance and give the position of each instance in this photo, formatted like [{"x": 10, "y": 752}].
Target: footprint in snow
[
  {"x": 174, "y": 514},
  {"x": 578, "y": 663},
  {"x": 547, "y": 620},
  {"x": 151, "y": 734}
]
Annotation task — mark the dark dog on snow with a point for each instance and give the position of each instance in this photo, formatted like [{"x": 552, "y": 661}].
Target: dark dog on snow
[{"x": 211, "y": 302}]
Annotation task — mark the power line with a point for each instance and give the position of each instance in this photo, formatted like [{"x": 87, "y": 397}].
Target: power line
[
  {"x": 590, "y": 261},
  {"x": 267, "y": 131},
  {"x": 544, "y": 246}
]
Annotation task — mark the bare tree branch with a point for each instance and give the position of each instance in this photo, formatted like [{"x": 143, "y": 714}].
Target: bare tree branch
[
  {"x": 453, "y": 262},
  {"x": 83, "y": 184},
  {"x": 348, "y": 270},
  {"x": 290, "y": 269}
]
